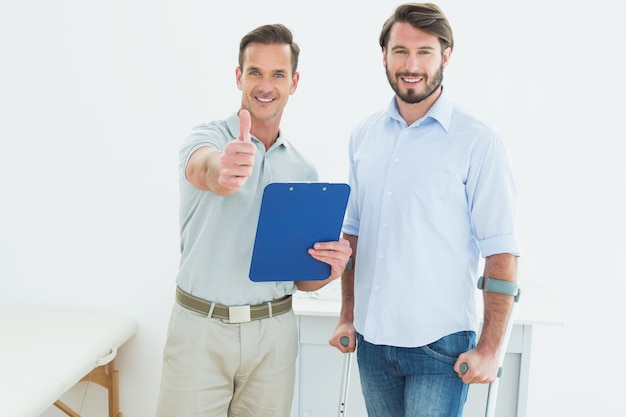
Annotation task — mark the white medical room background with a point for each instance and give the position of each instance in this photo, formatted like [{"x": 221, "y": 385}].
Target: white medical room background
[{"x": 95, "y": 98}]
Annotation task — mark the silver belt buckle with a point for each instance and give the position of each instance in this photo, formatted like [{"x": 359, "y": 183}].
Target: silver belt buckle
[{"x": 239, "y": 314}]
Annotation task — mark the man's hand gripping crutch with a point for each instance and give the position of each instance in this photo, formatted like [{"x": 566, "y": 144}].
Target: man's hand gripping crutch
[{"x": 505, "y": 288}]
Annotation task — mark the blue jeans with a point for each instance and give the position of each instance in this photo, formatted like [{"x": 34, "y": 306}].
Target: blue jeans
[{"x": 414, "y": 382}]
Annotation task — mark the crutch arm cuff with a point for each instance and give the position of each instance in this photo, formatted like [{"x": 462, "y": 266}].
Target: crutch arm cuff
[{"x": 500, "y": 286}]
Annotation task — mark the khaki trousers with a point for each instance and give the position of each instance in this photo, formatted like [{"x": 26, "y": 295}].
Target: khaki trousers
[{"x": 216, "y": 369}]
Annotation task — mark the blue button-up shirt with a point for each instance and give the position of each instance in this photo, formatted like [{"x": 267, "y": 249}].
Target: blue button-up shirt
[{"x": 427, "y": 201}]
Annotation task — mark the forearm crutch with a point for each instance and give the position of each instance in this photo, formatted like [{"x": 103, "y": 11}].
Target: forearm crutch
[
  {"x": 498, "y": 286},
  {"x": 345, "y": 379}
]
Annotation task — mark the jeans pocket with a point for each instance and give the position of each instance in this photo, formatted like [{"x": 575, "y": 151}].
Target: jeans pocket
[{"x": 448, "y": 348}]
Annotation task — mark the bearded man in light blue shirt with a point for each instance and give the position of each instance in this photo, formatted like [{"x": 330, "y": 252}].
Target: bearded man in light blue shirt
[{"x": 432, "y": 193}]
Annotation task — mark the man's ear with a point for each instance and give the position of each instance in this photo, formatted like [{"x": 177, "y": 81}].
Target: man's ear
[
  {"x": 294, "y": 82},
  {"x": 238, "y": 77},
  {"x": 446, "y": 57}
]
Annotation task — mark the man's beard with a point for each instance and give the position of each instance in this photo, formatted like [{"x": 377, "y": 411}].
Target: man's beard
[{"x": 411, "y": 96}]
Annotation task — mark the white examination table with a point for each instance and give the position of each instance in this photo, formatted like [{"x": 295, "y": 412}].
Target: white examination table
[{"x": 45, "y": 353}]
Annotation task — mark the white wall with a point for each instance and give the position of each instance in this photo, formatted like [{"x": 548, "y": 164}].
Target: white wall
[{"x": 96, "y": 96}]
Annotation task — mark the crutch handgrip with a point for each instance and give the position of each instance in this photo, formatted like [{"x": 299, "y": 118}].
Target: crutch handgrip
[
  {"x": 345, "y": 341},
  {"x": 465, "y": 368}
]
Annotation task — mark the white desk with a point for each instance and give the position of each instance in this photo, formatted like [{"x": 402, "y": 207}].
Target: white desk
[
  {"x": 45, "y": 353},
  {"x": 320, "y": 365}
]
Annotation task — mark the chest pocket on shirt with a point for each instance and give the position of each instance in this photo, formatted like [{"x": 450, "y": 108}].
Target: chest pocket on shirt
[{"x": 432, "y": 192}]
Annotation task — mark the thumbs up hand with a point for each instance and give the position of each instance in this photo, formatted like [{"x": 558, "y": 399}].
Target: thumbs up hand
[
  {"x": 237, "y": 161},
  {"x": 244, "y": 126}
]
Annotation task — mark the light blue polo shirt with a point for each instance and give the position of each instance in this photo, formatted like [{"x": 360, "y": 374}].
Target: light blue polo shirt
[
  {"x": 427, "y": 201},
  {"x": 217, "y": 233}
]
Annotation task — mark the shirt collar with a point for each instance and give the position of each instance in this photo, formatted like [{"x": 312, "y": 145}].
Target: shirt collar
[
  {"x": 233, "y": 126},
  {"x": 440, "y": 111}
]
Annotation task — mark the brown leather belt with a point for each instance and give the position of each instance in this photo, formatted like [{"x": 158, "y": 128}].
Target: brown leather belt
[{"x": 233, "y": 314}]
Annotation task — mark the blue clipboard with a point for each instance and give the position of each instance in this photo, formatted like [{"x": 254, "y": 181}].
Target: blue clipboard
[{"x": 294, "y": 216}]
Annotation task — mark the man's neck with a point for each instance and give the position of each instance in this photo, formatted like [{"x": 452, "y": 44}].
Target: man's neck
[
  {"x": 266, "y": 132},
  {"x": 411, "y": 112}
]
